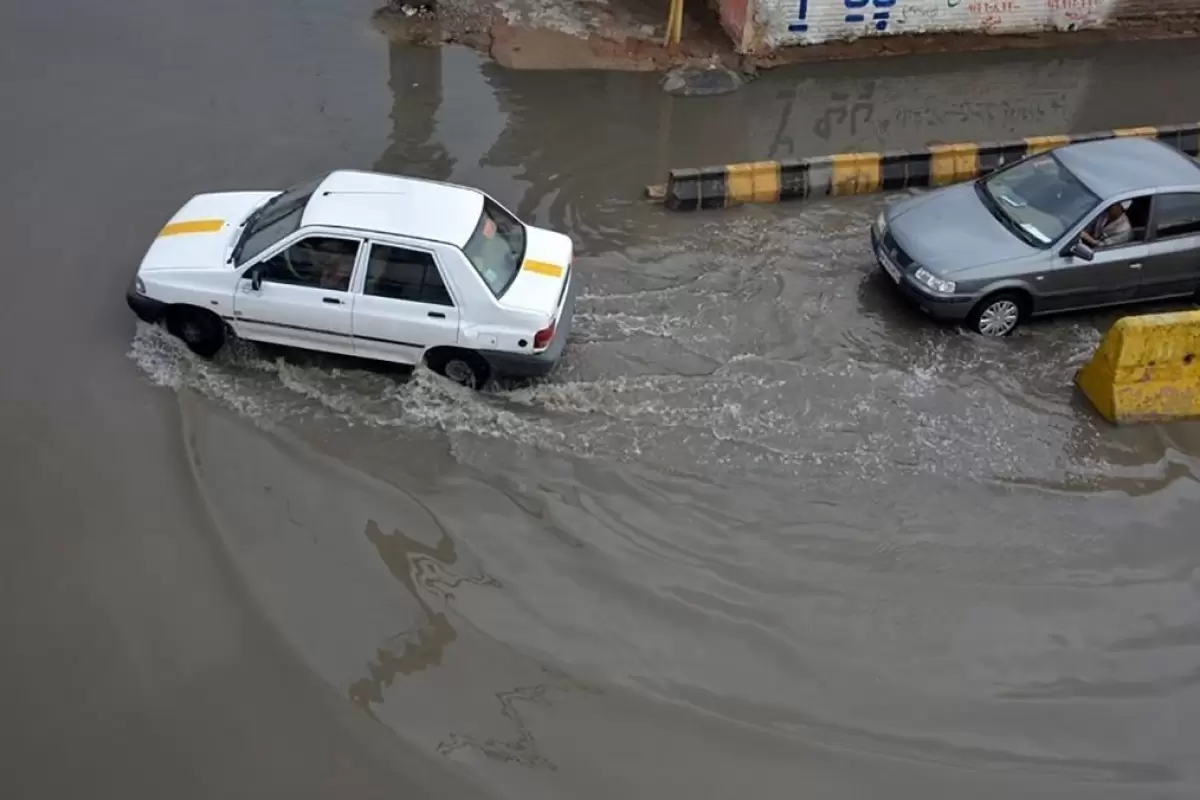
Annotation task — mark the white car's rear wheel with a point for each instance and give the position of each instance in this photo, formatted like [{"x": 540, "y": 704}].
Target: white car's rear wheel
[{"x": 460, "y": 366}]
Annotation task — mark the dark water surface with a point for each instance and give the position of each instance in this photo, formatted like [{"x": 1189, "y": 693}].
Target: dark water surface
[{"x": 766, "y": 532}]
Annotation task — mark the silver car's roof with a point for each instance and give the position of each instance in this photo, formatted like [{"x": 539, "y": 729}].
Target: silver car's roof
[{"x": 1114, "y": 166}]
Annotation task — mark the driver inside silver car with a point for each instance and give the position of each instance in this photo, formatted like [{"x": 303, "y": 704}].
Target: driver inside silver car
[{"x": 1112, "y": 228}]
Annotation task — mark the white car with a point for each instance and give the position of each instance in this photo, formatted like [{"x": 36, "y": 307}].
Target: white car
[{"x": 365, "y": 264}]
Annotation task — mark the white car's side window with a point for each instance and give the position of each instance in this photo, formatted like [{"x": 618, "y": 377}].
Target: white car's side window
[
  {"x": 405, "y": 273},
  {"x": 318, "y": 262}
]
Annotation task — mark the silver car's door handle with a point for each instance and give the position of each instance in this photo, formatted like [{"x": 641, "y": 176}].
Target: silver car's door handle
[{"x": 1135, "y": 266}]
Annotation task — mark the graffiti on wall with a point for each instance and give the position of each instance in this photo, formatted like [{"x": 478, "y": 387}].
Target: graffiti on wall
[
  {"x": 992, "y": 14},
  {"x": 854, "y": 12},
  {"x": 1076, "y": 12},
  {"x": 847, "y": 114},
  {"x": 800, "y": 24},
  {"x": 814, "y": 21},
  {"x": 915, "y": 17},
  {"x": 904, "y": 111},
  {"x": 857, "y": 12}
]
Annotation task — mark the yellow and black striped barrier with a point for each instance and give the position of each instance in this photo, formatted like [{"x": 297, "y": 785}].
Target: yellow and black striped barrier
[{"x": 864, "y": 173}]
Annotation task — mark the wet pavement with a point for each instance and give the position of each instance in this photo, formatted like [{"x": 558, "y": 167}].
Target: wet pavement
[{"x": 767, "y": 531}]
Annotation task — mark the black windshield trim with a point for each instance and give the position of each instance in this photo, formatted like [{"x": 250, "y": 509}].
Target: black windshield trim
[
  {"x": 997, "y": 211},
  {"x": 257, "y": 219},
  {"x": 993, "y": 207}
]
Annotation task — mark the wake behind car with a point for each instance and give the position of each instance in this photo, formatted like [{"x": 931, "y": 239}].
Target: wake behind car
[
  {"x": 365, "y": 264},
  {"x": 1031, "y": 238}
]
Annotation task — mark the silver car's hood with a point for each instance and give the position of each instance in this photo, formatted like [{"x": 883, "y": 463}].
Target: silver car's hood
[{"x": 949, "y": 230}]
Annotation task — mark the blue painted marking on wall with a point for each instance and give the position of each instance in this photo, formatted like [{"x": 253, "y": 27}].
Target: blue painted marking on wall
[
  {"x": 855, "y": 12},
  {"x": 801, "y": 23}
]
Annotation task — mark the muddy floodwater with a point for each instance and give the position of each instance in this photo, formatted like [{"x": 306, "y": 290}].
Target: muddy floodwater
[{"x": 766, "y": 532}]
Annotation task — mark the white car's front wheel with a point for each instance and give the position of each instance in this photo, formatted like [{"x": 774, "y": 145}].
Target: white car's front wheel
[{"x": 202, "y": 331}]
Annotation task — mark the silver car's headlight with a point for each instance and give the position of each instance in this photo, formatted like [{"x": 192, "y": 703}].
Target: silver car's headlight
[
  {"x": 934, "y": 282},
  {"x": 880, "y": 222},
  {"x": 139, "y": 286}
]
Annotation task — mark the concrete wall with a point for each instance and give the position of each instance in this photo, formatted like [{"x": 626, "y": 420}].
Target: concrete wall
[
  {"x": 874, "y": 105},
  {"x": 760, "y": 25}
]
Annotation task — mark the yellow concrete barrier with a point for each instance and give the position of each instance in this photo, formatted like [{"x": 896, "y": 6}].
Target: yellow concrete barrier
[{"x": 1146, "y": 369}]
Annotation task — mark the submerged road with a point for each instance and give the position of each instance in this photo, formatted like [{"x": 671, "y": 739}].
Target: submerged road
[{"x": 766, "y": 533}]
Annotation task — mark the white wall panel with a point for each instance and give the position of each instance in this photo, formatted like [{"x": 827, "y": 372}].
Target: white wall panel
[{"x": 786, "y": 22}]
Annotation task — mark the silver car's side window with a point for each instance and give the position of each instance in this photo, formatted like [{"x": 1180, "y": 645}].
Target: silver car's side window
[
  {"x": 1177, "y": 215},
  {"x": 1119, "y": 224}
]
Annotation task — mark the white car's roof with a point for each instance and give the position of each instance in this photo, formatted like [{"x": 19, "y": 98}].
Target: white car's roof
[{"x": 393, "y": 204}]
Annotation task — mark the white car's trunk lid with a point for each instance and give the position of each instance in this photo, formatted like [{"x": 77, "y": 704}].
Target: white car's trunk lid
[{"x": 542, "y": 279}]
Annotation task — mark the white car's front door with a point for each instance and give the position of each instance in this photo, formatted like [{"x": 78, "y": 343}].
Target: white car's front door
[
  {"x": 406, "y": 306},
  {"x": 301, "y": 296}
]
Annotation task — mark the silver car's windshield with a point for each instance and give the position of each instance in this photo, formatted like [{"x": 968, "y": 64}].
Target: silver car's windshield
[{"x": 1038, "y": 199}]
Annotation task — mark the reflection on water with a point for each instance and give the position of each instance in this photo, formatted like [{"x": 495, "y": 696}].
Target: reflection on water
[
  {"x": 411, "y": 650},
  {"x": 522, "y": 749},
  {"x": 1003, "y": 640}
]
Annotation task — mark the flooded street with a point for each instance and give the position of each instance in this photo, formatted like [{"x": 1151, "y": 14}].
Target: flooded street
[{"x": 767, "y": 531}]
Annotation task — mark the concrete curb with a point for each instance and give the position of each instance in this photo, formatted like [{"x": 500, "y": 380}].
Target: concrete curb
[
  {"x": 865, "y": 173},
  {"x": 1146, "y": 369}
]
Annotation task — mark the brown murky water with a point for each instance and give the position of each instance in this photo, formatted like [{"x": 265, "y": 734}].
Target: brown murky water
[{"x": 766, "y": 532}]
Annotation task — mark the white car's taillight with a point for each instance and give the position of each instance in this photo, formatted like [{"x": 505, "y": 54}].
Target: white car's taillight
[{"x": 542, "y": 339}]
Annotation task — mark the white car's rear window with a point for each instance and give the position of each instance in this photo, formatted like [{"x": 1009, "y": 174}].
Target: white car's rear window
[{"x": 496, "y": 247}]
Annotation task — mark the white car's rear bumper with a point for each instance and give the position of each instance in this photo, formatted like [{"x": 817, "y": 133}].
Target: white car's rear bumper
[{"x": 522, "y": 365}]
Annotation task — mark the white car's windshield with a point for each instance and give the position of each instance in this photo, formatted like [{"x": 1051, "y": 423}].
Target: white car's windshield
[
  {"x": 273, "y": 220},
  {"x": 496, "y": 247},
  {"x": 1038, "y": 199}
]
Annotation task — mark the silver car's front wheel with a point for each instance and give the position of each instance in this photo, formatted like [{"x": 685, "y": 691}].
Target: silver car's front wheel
[{"x": 997, "y": 316}]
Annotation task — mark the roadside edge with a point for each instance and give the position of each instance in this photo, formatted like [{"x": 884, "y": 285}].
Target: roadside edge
[{"x": 866, "y": 173}]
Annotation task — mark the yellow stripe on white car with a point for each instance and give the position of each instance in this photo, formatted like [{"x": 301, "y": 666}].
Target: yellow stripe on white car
[
  {"x": 543, "y": 268},
  {"x": 192, "y": 226}
]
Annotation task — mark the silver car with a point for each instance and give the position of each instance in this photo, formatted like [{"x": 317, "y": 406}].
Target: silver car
[{"x": 1031, "y": 239}]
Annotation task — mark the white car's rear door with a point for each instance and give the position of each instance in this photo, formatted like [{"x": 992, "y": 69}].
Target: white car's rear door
[
  {"x": 405, "y": 304},
  {"x": 304, "y": 297}
]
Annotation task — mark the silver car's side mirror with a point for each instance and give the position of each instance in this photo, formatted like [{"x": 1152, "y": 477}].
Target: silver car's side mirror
[{"x": 1081, "y": 250}]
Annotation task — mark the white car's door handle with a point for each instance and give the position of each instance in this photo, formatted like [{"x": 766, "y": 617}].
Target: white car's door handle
[
  {"x": 331, "y": 301},
  {"x": 1135, "y": 266}
]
